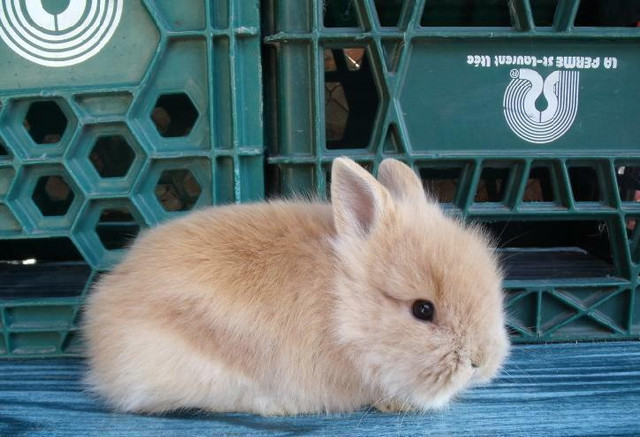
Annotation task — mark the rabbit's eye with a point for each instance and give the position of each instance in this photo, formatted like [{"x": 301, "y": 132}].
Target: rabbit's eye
[{"x": 423, "y": 310}]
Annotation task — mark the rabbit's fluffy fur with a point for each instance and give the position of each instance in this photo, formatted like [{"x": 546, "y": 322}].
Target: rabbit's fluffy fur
[{"x": 297, "y": 307}]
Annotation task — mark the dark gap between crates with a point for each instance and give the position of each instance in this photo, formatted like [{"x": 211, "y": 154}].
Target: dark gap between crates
[
  {"x": 177, "y": 190},
  {"x": 112, "y": 156},
  {"x": 117, "y": 228},
  {"x": 628, "y": 178},
  {"x": 466, "y": 13},
  {"x": 174, "y": 115},
  {"x": 540, "y": 186},
  {"x": 560, "y": 249},
  {"x": 339, "y": 13},
  {"x": 441, "y": 182},
  {"x": 493, "y": 183},
  {"x": 543, "y": 12},
  {"x": 4, "y": 153},
  {"x": 608, "y": 13},
  {"x": 41, "y": 267},
  {"x": 585, "y": 185},
  {"x": 486, "y": 13},
  {"x": 53, "y": 195},
  {"x": 45, "y": 122},
  {"x": 351, "y": 99}
]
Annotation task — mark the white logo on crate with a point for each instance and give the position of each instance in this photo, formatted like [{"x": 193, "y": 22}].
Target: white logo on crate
[
  {"x": 560, "y": 90},
  {"x": 66, "y": 38}
]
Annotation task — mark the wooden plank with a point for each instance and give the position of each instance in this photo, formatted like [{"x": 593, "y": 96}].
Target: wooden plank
[{"x": 560, "y": 389}]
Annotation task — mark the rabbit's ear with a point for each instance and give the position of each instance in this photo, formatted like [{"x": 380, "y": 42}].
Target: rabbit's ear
[
  {"x": 358, "y": 199},
  {"x": 400, "y": 180}
]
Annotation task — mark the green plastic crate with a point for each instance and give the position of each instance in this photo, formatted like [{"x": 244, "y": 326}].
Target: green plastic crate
[
  {"x": 115, "y": 115},
  {"x": 456, "y": 89}
]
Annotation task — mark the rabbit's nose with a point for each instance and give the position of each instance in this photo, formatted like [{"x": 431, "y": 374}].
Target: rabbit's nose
[{"x": 477, "y": 359}]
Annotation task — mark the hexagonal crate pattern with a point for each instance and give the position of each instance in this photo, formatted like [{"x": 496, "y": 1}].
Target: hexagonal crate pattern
[
  {"x": 165, "y": 119},
  {"x": 424, "y": 81}
]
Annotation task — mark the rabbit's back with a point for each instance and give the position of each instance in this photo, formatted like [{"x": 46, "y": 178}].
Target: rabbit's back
[{"x": 255, "y": 244}]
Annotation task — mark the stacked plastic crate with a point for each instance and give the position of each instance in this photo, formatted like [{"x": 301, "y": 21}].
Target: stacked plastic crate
[
  {"x": 520, "y": 114},
  {"x": 115, "y": 115}
]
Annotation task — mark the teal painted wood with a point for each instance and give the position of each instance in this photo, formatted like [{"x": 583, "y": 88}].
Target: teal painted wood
[{"x": 560, "y": 389}]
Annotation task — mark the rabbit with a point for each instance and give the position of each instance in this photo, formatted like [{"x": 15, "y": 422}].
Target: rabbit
[{"x": 292, "y": 307}]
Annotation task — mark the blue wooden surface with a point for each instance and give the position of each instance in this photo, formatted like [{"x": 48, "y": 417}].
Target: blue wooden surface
[{"x": 561, "y": 389}]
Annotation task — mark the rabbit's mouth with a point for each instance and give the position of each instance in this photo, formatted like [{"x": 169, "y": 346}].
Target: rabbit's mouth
[
  {"x": 436, "y": 392},
  {"x": 440, "y": 398}
]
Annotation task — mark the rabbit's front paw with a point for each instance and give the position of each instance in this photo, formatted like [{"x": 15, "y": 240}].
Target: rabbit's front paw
[{"x": 393, "y": 406}]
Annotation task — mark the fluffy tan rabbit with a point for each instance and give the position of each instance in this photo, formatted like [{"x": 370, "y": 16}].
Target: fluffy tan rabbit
[{"x": 297, "y": 307}]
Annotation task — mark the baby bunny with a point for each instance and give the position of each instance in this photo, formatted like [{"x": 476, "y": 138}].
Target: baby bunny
[{"x": 295, "y": 307}]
